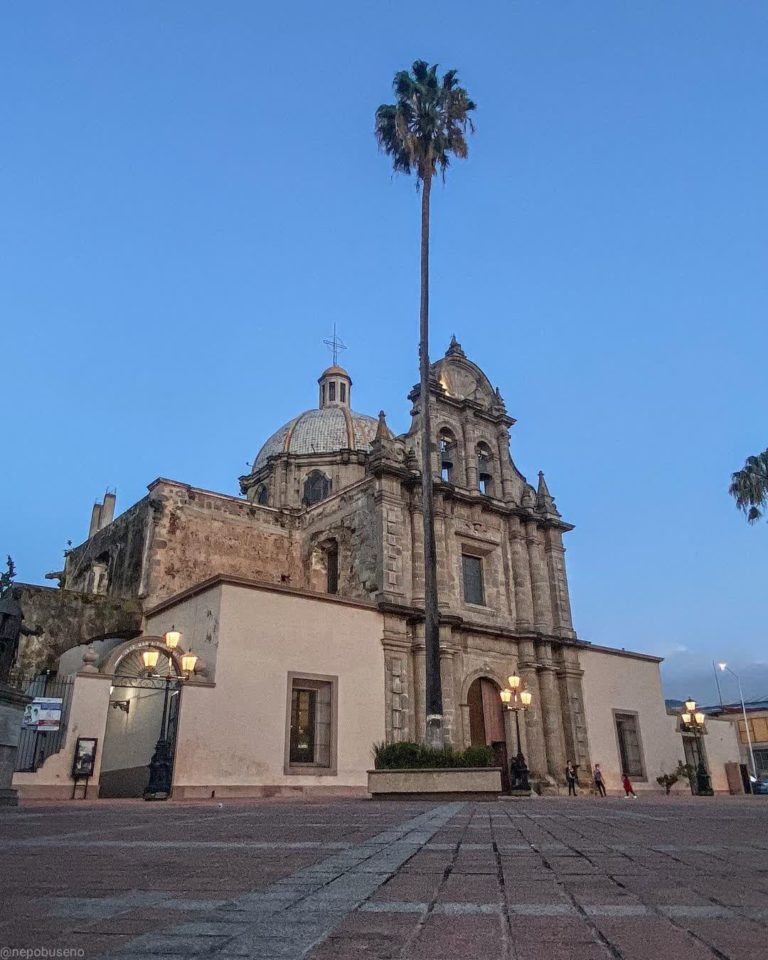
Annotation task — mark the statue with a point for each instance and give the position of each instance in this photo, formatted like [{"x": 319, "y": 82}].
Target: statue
[{"x": 11, "y": 622}]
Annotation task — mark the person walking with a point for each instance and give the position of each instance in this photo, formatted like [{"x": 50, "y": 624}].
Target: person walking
[
  {"x": 597, "y": 777},
  {"x": 628, "y": 790},
  {"x": 570, "y": 777}
]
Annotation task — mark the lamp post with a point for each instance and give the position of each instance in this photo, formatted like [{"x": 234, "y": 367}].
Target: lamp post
[
  {"x": 693, "y": 720},
  {"x": 515, "y": 699},
  {"x": 723, "y": 667},
  {"x": 159, "y": 786}
]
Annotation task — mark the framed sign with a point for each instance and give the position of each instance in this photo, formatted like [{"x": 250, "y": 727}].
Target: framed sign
[
  {"x": 42, "y": 715},
  {"x": 84, "y": 759}
]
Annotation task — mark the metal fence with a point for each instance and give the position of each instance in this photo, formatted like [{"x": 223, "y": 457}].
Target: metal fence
[{"x": 35, "y": 746}]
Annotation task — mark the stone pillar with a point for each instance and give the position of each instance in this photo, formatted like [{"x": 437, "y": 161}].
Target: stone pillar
[
  {"x": 521, "y": 575},
  {"x": 12, "y": 703},
  {"x": 505, "y": 465},
  {"x": 470, "y": 455},
  {"x": 558, "y": 581},
  {"x": 572, "y": 704},
  {"x": 536, "y": 756},
  {"x": 449, "y": 686},
  {"x": 542, "y": 606},
  {"x": 417, "y": 557},
  {"x": 419, "y": 687},
  {"x": 552, "y": 713}
]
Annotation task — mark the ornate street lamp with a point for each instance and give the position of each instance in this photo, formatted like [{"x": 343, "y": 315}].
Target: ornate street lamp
[
  {"x": 159, "y": 786},
  {"x": 692, "y": 720},
  {"x": 515, "y": 699}
]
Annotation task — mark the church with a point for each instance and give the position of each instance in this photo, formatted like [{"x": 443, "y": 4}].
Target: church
[{"x": 287, "y": 623}]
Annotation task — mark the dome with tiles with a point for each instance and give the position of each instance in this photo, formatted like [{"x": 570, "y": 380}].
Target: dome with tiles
[{"x": 333, "y": 426}]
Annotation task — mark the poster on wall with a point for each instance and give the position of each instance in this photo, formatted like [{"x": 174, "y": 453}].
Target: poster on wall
[
  {"x": 84, "y": 759},
  {"x": 43, "y": 715}
]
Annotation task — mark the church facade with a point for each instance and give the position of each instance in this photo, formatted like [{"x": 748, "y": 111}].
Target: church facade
[{"x": 303, "y": 602}]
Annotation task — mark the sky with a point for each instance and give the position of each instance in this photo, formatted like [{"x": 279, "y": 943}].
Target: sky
[{"x": 191, "y": 196}]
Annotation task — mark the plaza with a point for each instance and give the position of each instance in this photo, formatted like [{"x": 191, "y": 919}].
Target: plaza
[{"x": 580, "y": 879}]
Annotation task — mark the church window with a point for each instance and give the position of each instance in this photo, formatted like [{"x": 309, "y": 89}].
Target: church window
[
  {"x": 630, "y": 751},
  {"x": 311, "y": 739},
  {"x": 322, "y": 395},
  {"x": 332, "y": 568},
  {"x": 331, "y": 391},
  {"x": 447, "y": 446},
  {"x": 343, "y": 392},
  {"x": 316, "y": 487},
  {"x": 484, "y": 475},
  {"x": 472, "y": 570},
  {"x": 262, "y": 495}
]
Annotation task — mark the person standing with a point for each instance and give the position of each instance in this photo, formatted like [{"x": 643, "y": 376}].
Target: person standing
[
  {"x": 597, "y": 776},
  {"x": 628, "y": 789},
  {"x": 570, "y": 777}
]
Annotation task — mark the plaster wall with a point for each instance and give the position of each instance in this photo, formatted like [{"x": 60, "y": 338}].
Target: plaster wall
[
  {"x": 87, "y": 718},
  {"x": 232, "y": 736},
  {"x": 629, "y": 684}
]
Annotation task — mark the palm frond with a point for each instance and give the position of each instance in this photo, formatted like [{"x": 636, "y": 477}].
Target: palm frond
[
  {"x": 749, "y": 487},
  {"x": 428, "y": 122}
]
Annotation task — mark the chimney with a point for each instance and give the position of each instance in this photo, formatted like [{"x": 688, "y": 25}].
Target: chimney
[
  {"x": 102, "y": 514},
  {"x": 95, "y": 519},
  {"x": 107, "y": 509}
]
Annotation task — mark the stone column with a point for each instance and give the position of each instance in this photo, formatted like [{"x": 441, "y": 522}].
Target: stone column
[
  {"x": 505, "y": 464},
  {"x": 470, "y": 454},
  {"x": 552, "y": 713},
  {"x": 449, "y": 686},
  {"x": 536, "y": 755},
  {"x": 558, "y": 581},
  {"x": 521, "y": 575},
  {"x": 417, "y": 557},
  {"x": 542, "y": 606},
  {"x": 419, "y": 687},
  {"x": 572, "y": 704}
]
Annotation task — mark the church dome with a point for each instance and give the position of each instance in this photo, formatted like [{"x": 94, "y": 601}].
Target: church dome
[{"x": 328, "y": 429}]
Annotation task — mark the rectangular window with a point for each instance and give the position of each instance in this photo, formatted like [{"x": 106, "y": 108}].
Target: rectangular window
[
  {"x": 311, "y": 734},
  {"x": 472, "y": 569},
  {"x": 343, "y": 392},
  {"x": 331, "y": 391},
  {"x": 628, "y": 736}
]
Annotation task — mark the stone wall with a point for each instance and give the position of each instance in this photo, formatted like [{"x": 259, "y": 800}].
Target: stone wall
[
  {"x": 197, "y": 534},
  {"x": 67, "y": 619}
]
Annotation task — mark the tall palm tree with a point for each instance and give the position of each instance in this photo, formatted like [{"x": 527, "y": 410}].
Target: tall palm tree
[
  {"x": 749, "y": 486},
  {"x": 427, "y": 123}
]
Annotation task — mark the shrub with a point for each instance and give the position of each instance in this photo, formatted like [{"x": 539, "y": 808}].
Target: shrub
[{"x": 415, "y": 756}]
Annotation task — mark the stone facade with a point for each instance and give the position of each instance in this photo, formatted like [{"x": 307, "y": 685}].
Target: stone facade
[{"x": 332, "y": 504}]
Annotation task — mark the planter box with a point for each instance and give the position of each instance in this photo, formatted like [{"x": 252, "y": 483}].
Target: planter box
[{"x": 464, "y": 783}]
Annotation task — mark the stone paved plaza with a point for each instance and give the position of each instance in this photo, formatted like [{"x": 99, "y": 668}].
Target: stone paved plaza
[{"x": 553, "y": 878}]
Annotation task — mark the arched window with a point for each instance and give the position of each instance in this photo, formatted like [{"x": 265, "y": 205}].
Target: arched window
[
  {"x": 484, "y": 469},
  {"x": 316, "y": 487},
  {"x": 447, "y": 448},
  {"x": 262, "y": 494}
]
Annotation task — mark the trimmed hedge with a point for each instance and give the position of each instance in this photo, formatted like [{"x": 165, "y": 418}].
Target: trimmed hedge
[{"x": 412, "y": 756}]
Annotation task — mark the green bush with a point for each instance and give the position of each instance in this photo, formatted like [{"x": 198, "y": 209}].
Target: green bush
[{"x": 413, "y": 756}]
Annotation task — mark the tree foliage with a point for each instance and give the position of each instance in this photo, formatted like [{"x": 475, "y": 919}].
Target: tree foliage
[
  {"x": 749, "y": 487},
  {"x": 427, "y": 123}
]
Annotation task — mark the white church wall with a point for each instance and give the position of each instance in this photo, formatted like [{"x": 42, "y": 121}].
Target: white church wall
[{"x": 232, "y": 737}]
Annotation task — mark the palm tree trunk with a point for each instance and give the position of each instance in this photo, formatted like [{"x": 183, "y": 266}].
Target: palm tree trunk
[{"x": 434, "y": 693}]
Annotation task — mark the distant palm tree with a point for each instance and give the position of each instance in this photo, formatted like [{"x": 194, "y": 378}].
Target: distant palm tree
[
  {"x": 749, "y": 486},
  {"x": 428, "y": 122}
]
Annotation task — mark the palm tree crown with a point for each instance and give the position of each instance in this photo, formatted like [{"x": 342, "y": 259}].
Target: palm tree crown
[
  {"x": 428, "y": 122},
  {"x": 749, "y": 486}
]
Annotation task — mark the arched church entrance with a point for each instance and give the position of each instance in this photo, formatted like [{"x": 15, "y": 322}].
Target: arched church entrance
[
  {"x": 142, "y": 702},
  {"x": 486, "y": 722}
]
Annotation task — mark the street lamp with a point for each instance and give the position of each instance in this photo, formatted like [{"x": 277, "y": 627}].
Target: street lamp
[
  {"x": 515, "y": 699},
  {"x": 159, "y": 786},
  {"x": 693, "y": 721},
  {"x": 723, "y": 667}
]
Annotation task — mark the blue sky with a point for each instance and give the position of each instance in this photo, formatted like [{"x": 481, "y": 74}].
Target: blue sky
[{"x": 191, "y": 196}]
